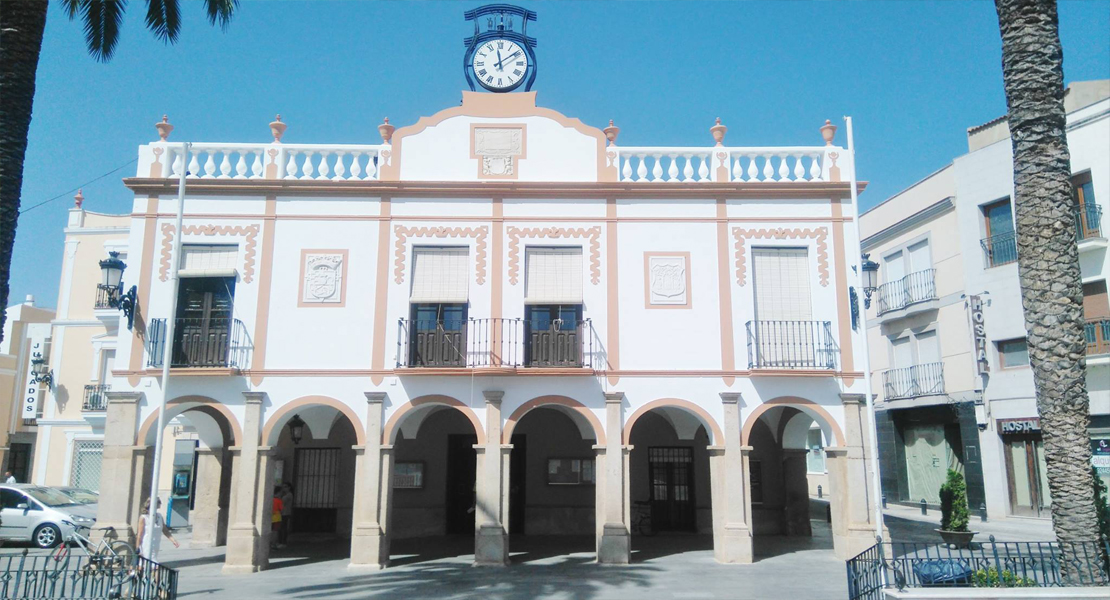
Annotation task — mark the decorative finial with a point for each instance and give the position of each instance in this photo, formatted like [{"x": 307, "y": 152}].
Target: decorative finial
[
  {"x": 828, "y": 132},
  {"x": 277, "y": 128},
  {"x": 611, "y": 133},
  {"x": 718, "y": 132},
  {"x": 164, "y": 128},
  {"x": 78, "y": 199},
  {"x": 386, "y": 131}
]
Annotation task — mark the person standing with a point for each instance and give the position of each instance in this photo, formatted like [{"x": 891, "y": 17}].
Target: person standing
[
  {"x": 275, "y": 520},
  {"x": 148, "y": 548},
  {"x": 286, "y": 513},
  {"x": 9, "y": 478}
]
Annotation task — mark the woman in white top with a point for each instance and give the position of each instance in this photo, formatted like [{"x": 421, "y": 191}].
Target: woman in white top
[{"x": 149, "y": 548}]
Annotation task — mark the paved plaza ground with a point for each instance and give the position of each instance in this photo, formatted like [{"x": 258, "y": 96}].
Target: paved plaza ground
[{"x": 679, "y": 567}]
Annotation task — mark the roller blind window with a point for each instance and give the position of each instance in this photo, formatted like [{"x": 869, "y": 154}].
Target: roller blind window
[
  {"x": 553, "y": 275},
  {"x": 204, "y": 257},
  {"x": 782, "y": 291},
  {"x": 439, "y": 275}
]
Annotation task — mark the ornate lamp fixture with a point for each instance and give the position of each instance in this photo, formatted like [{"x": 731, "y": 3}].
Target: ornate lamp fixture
[
  {"x": 112, "y": 270},
  {"x": 40, "y": 373},
  {"x": 296, "y": 429},
  {"x": 870, "y": 278}
]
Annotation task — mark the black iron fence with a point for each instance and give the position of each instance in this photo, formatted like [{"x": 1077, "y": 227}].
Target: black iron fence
[
  {"x": 1088, "y": 222},
  {"x": 204, "y": 343},
  {"x": 43, "y": 577},
  {"x": 96, "y": 398},
  {"x": 1000, "y": 249},
  {"x": 992, "y": 564},
  {"x": 791, "y": 345},
  {"x": 911, "y": 382},
  {"x": 107, "y": 296},
  {"x": 460, "y": 343},
  {"x": 911, "y": 289}
]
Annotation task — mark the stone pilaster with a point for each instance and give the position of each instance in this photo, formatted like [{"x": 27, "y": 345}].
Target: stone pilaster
[
  {"x": 851, "y": 500},
  {"x": 491, "y": 539},
  {"x": 369, "y": 533},
  {"x": 614, "y": 547},
  {"x": 209, "y": 516},
  {"x": 247, "y": 540},
  {"x": 736, "y": 533},
  {"x": 118, "y": 480}
]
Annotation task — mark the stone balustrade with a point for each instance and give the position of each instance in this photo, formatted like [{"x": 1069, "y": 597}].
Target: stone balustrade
[
  {"x": 724, "y": 164},
  {"x": 332, "y": 162}
]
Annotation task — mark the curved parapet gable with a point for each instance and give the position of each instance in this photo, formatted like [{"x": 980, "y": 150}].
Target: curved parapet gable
[{"x": 499, "y": 137}]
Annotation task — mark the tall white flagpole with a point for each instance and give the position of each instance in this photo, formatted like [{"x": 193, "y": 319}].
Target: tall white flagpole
[
  {"x": 152, "y": 530},
  {"x": 873, "y": 445}
]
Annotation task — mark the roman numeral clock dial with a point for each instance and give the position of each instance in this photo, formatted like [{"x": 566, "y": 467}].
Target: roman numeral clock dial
[{"x": 500, "y": 65}]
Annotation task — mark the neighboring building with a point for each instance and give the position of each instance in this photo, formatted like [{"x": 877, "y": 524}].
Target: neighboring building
[
  {"x": 24, "y": 363},
  {"x": 956, "y": 397},
  {"x": 441, "y": 333}
]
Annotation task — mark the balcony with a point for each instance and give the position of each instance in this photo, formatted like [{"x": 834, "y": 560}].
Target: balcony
[
  {"x": 1000, "y": 249},
  {"x": 486, "y": 343},
  {"x": 912, "y": 289},
  {"x": 792, "y": 345},
  {"x": 96, "y": 398},
  {"x": 913, "y": 382},
  {"x": 723, "y": 164},
  {"x": 200, "y": 343},
  {"x": 1098, "y": 337},
  {"x": 107, "y": 297},
  {"x": 1088, "y": 222}
]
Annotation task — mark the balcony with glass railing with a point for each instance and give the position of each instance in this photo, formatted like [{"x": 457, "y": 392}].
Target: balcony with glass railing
[
  {"x": 496, "y": 343},
  {"x": 914, "y": 382},
  {"x": 910, "y": 290}
]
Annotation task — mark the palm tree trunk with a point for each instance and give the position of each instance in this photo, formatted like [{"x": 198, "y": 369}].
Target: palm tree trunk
[
  {"x": 1048, "y": 258},
  {"x": 21, "y": 27}
]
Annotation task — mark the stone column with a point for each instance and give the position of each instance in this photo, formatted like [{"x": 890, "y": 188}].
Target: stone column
[
  {"x": 491, "y": 539},
  {"x": 208, "y": 514},
  {"x": 850, "y": 479},
  {"x": 736, "y": 535},
  {"x": 796, "y": 489},
  {"x": 614, "y": 547},
  {"x": 118, "y": 480},
  {"x": 247, "y": 543},
  {"x": 369, "y": 534}
]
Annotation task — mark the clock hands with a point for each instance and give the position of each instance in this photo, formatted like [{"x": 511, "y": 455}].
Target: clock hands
[{"x": 500, "y": 60}]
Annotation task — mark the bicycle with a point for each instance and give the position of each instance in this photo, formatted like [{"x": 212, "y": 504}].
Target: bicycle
[
  {"x": 642, "y": 519},
  {"x": 107, "y": 559}
]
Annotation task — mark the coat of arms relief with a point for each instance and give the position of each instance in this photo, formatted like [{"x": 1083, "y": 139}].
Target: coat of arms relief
[
  {"x": 667, "y": 281},
  {"x": 323, "y": 279},
  {"x": 498, "y": 149}
]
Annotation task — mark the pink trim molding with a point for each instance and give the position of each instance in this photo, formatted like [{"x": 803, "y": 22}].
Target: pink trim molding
[
  {"x": 592, "y": 233},
  {"x": 250, "y": 231},
  {"x": 403, "y": 233},
  {"x": 820, "y": 234}
]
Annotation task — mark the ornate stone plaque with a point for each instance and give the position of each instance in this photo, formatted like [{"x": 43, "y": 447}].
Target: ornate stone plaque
[
  {"x": 498, "y": 148},
  {"x": 668, "y": 280},
  {"x": 322, "y": 281}
]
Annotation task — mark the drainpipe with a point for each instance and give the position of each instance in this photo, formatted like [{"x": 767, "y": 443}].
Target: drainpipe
[
  {"x": 167, "y": 357},
  {"x": 873, "y": 450}
]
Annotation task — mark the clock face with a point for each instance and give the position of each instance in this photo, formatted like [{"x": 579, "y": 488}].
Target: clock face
[{"x": 500, "y": 65}]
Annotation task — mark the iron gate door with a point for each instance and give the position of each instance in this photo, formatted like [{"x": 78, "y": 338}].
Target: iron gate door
[
  {"x": 316, "y": 491},
  {"x": 671, "y": 470}
]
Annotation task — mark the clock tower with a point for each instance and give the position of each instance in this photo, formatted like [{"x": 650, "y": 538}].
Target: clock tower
[{"x": 499, "y": 57}]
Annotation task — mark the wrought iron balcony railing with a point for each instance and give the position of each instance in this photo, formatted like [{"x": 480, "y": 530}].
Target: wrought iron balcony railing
[
  {"x": 107, "y": 296},
  {"x": 205, "y": 343},
  {"x": 96, "y": 398},
  {"x": 909, "y": 290},
  {"x": 792, "y": 345},
  {"x": 495, "y": 343},
  {"x": 914, "y": 382},
  {"x": 1088, "y": 222},
  {"x": 1000, "y": 249},
  {"x": 1098, "y": 336}
]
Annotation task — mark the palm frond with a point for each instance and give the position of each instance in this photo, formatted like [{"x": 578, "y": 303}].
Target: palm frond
[
  {"x": 221, "y": 11},
  {"x": 163, "y": 17},
  {"x": 102, "y": 19}
]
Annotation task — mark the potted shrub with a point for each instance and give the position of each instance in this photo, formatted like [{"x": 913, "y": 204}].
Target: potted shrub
[{"x": 954, "y": 514}]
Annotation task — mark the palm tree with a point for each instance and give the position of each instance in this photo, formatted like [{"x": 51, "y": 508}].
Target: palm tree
[
  {"x": 21, "y": 26},
  {"x": 1048, "y": 258}
]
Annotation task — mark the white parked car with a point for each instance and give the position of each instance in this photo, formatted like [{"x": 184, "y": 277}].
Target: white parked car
[{"x": 41, "y": 515}]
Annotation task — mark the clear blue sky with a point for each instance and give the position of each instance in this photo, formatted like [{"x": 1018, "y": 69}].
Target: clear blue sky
[{"x": 914, "y": 74}]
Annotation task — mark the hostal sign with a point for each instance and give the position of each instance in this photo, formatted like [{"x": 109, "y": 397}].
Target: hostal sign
[{"x": 979, "y": 335}]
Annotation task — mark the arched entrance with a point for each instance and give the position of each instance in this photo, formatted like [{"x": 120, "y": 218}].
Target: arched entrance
[
  {"x": 669, "y": 477},
  {"x": 319, "y": 470},
  {"x": 552, "y": 478},
  {"x": 432, "y": 512}
]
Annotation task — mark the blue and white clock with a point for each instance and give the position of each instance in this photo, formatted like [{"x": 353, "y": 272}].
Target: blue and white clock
[{"x": 499, "y": 58}]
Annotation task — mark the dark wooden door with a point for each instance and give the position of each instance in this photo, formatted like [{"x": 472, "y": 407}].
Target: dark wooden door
[
  {"x": 552, "y": 335},
  {"x": 671, "y": 471},
  {"x": 19, "y": 462},
  {"x": 438, "y": 335},
  {"x": 461, "y": 472},
  {"x": 518, "y": 473},
  {"x": 204, "y": 309}
]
